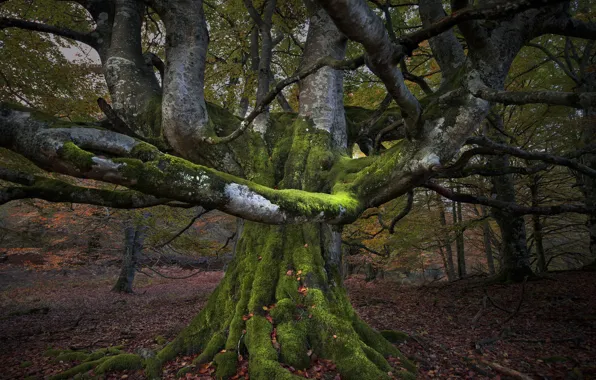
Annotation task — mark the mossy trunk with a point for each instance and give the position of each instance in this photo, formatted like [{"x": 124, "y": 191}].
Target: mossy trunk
[{"x": 281, "y": 301}]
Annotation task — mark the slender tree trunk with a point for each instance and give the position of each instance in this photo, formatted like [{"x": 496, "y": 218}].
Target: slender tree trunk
[
  {"x": 450, "y": 268},
  {"x": 488, "y": 247},
  {"x": 588, "y": 184},
  {"x": 537, "y": 226},
  {"x": 459, "y": 240},
  {"x": 133, "y": 246}
]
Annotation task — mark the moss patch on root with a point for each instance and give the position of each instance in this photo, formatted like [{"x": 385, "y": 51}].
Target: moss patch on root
[
  {"x": 119, "y": 363},
  {"x": 225, "y": 364},
  {"x": 395, "y": 336}
]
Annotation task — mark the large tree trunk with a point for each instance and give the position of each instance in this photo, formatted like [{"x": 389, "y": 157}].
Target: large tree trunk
[{"x": 284, "y": 279}]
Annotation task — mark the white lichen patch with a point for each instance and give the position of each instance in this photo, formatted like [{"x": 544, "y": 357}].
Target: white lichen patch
[{"x": 245, "y": 202}]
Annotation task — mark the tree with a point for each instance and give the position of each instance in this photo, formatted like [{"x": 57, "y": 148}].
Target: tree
[{"x": 288, "y": 175}]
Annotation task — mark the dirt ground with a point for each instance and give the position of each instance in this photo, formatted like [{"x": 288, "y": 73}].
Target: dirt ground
[{"x": 542, "y": 329}]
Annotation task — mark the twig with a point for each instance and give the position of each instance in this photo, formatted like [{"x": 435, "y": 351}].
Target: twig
[{"x": 481, "y": 311}]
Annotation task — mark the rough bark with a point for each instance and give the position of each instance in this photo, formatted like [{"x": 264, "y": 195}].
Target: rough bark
[
  {"x": 284, "y": 279},
  {"x": 459, "y": 239},
  {"x": 133, "y": 245},
  {"x": 447, "y": 243},
  {"x": 488, "y": 247},
  {"x": 515, "y": 260}
]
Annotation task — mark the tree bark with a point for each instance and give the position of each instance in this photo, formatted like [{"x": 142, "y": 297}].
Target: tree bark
[
  {"x": 488, "y": 247},
  {"x": 515, "y": 260},
  {"x": 446, "y": 242},
  {"x": 285, "y": 279},
  {"x": 133, "y": 247},
  {"x": 459, "y": 240},
  {"x": 537, "y": 226}
]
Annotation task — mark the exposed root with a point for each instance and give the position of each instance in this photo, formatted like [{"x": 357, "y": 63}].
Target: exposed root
[
  {"x": 100, "y": 361},
  {"x": 280, "y": 305}
]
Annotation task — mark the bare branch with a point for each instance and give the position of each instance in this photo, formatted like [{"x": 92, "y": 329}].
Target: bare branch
[
  {"x": 301, "y": 74},
  {"x": 183, "y": 230},
  {"x": 403, "y": 212},
  {"x": 362, "y": 246},
  {"x": 489, "y": 12},
  {"x": 580, "y": 100},
  {"x": 517, "y": 152},
  {"x": 511, "y": 208}
]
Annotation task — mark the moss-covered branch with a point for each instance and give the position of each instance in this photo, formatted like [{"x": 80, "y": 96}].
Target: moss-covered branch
[
  {"x": 54, "y": 190},
  {"x": 143, "y": 168}
]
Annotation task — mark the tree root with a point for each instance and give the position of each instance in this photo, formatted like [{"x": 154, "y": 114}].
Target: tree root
[{"x": 100, "y": 361}]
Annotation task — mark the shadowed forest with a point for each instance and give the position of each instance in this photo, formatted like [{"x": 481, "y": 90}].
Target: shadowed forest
[{"x": 286, "y": 189}]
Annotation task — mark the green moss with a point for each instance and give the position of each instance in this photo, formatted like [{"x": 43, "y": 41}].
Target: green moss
[
  {"x": 53, "y": 352},
  {"x": 285, "y": 308},
  {"x": 76, "y": 156},
  {"x": 26, "y": 364},
  {"x": 152, "y": 368},
  {"x": 73, "y": 356},
  {"x": 375, "y": 357},
  {"x": 555, "y": 359},
  {"x": 184, "y": 370},
  {"x": 119, "y": 363},
  {"x": 216, "y": 343},
  {"x": 144, "y": 152},
  {"x": 160, "y": 340},
  {"x": 150, "y": 118},
  {"x": 105, "y": 352},
  {"x": 226, "y": 363},
  {"x": 292, "y": 337},
  {"x": 14, "y": 161},
  {"x": 406, "y": 375},
  {"x": 394, "y": 336},
  {"x": 81, "y": 368}
]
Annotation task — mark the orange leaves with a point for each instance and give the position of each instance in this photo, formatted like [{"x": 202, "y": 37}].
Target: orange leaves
[
  {"x": 206, "y": 369},
  {"x": 303, "y": 290},
  {"x": 247, "y": 317},
  {"x": 290, "y": 272}
]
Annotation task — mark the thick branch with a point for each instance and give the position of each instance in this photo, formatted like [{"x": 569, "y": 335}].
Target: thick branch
[
  {"x": 359, "y": 23},
  {"x": 572, "y": 27},
  {"x": 146, "y": 169},
  {"x": 54, "y": 190},
  {"x": 301, "y": 74},
  {"x": 7, "y": 22}
]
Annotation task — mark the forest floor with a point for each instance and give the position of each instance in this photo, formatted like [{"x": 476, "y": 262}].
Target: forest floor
[{"x": 543, "y": 329}]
